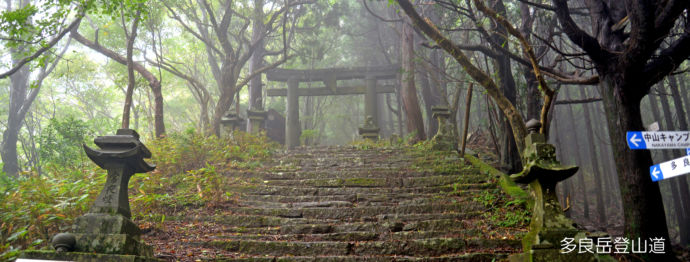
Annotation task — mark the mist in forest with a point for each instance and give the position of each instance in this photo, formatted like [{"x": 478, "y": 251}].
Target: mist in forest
[{"x": 178, "y": 68}]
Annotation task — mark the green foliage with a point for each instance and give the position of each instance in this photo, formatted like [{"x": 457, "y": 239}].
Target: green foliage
[
  {"x": 61, "y": 141},
  {"x": 192, "y": 169},
  {"x": 501, "y": 211},
  {"x": 366, "y": 144},
  {"x": 308, "y": 135},
  {"x": 34, "y": 208}
]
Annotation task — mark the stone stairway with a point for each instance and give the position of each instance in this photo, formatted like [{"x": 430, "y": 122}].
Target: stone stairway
[{"x": 350, "y": 204}]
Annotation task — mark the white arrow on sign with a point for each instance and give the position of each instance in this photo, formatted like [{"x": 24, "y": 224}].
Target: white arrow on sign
[
  {"x": 675, "y": 167},
  {"x": 655, "y": 173},
  {"x": 658, "y": 139},
  {"x": 635, "y": 140}
]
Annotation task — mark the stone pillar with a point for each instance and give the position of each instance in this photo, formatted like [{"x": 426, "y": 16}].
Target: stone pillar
[
  {"x": 292, "y": 129},
  {"x": 231, "y": 122},
  {"x": 549, "y": 227},
  {"x": 370, "y": 101},
  {"x": 255, "y": 120},
  {"x": 106, "y": 232},
  {"x": 446, "y": 137},
  {"x": 369, "y": 130}
]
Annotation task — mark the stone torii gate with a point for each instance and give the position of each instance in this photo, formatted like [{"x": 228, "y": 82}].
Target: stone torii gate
[{"x": 330, "y": 77}]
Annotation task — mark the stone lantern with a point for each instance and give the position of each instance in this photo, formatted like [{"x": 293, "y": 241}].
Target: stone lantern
[
  {"x": 549, "y": 225},
  {"x": 446, "y": 137},
  {"x": 231, "y": 122},
  {"x": 106, "y": 232},
  {"x": 256, "y": 120},
  {"x": 369, "y": 130}
]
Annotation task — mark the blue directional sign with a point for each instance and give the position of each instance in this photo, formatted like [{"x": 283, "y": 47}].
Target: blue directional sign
[
  {"x": 687, "y": 151},
  {"x": 675, "y": 167},
  {"x": 635, "y": 140},
  {"x": 656, "y": 173},
  {"x": 658, "y": 139}
]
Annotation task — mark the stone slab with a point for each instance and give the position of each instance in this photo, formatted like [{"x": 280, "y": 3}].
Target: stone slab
[
  {"x": 112, "y": 244},
  {"x": 82, "y": 257},
  {"x": 98, "y": 223}
]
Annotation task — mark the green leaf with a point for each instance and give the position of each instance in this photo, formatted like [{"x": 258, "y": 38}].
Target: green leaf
[{"x": 19, "y": 234}]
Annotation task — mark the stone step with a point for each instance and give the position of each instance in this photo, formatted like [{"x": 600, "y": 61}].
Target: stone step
[
  {"x": 351, "y": 173},
  {"x": 471, "y": 257},
  {"x": 355, "y": 198},
  {"x": 357, "y": 213},
  {"x": 355, "y": 201},
  {"x": 429, "y": 181},
  {"x": 292, "y": 224},
  {"x": 270, "y": 225},
  {"x": 424, "y": 247},
  {"x": 380, "y": 235},
  {"x": 326, "y": 191},
  {"x": 253, "y": 221}
]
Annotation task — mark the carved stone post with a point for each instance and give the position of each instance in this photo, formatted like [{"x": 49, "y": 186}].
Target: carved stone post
[
  {"x": 370, "y": 101},
  {"x": 445, "y": 138},
  {"x": 549, "y": 225},
  {"x": 107, "y": 231},
  {"x": 231, "y": 122},
  {"x": 256, "y": 120},
  {"x": 292, "y": 130},
  {"x": 369, "y": 130}
]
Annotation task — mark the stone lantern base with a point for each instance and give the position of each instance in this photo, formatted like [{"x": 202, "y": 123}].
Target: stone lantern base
[
  {"x": 84, "y": 257},
  {"x": 369, "y": 133},
  {"x": 446, "y": 138}
]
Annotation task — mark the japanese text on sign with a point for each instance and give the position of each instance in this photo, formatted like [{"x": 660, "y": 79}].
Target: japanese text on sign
[{"x": 658, "y": 140}]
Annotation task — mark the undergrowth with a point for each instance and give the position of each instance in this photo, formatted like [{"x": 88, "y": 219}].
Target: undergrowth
[
  {"x": 502, "y": 211},
  {"x": 191, "y": 169}
]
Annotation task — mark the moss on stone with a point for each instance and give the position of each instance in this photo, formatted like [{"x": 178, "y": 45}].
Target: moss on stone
[{"x": 504, "y": 181}]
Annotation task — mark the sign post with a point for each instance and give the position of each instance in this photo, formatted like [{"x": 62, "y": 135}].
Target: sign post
[
  {"x": 658, "y": 139},
  {"x": 663, "y": 140},
  {"x": 675, "y": 167}
]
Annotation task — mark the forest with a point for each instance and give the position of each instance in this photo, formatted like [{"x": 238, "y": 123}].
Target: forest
[{"x": 229, "y": 94}]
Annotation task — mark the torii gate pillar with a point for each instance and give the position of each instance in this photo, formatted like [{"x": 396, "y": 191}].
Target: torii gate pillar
[
  {"x": 292, "y": 132},
  {"x": 370, "y": 105}
]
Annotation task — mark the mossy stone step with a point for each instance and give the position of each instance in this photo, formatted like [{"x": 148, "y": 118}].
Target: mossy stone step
[
  {"x": 429, "y": 181},
  {"x": 352, "y": 173},
  {"x": 358, "y": 202},
  {"x": 324, "y": 191},
  {"x": 346, "y": 233},
  {"x": 356, "y": 198},
  {"x": 471, "y": 257},
  {"x": 342, "y": 236},
  {"x": 357, "y": 213},
  {"x": 248, "y": 223},
  {"x": 425, "y": 247},
  {"x": 311, "y": 204}
]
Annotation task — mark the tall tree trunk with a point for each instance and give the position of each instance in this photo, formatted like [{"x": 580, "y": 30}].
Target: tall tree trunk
[
  {"x": 154, "y": 83},
  {"x": 131, "y": 82},
  {"x": 643, "y": 213},
  {"x": 21, "y": 99},
  {"x": 429, "y": 101},
  {"x": 578, "y": 160},
  {"x": 666, "y": 155},
  {"x": 510, "y": 157},
  {"x": 566, "y": 186},
  {"x": 256, "y": 62},
  {"x": 608, "y": 153},
  {"x": 594, "y": 162},
  {"x": 681, "y": 182},
  {"x": 228, "y": 88},
  {"x": 415, "y": 122},
  {"x": 18, "y": 90}
]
